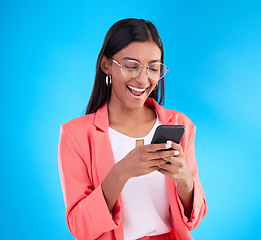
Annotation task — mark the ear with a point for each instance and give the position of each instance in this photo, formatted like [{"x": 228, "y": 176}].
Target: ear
[{"x": 105, "y": 65}]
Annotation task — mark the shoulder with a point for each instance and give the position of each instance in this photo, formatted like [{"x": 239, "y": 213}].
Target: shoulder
[
  {"x": 79, "y": 125},
  {"x": 169, "y": 116},
  {"x": 180, "y": 117}
]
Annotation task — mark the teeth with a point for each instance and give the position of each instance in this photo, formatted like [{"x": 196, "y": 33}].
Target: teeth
[{"x": 137, "y": 89}]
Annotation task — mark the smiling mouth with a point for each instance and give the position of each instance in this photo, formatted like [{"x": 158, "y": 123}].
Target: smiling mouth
[{"x": 136, "y": 91}]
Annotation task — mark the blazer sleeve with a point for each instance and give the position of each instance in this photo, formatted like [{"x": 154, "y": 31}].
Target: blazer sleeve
[
  {"x": 87, "y": 213},
  {"x": 199, "y": 203}
]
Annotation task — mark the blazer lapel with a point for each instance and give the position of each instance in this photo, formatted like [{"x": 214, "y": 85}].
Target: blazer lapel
[
  {"x": 104, "y": 154},
  {"x": 102, "y": 147},
  {"x": 164, "y": 114}
]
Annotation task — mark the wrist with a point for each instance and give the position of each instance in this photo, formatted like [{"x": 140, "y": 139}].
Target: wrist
[
  {"x": 119, "y": 172},
  {"x": 185, "y": 186}
]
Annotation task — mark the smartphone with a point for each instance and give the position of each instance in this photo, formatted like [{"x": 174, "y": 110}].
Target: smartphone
[{"x": 164, "y": 133}]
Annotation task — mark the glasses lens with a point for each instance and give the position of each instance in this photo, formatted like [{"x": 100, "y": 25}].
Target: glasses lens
[
  {"x": 157, "y": 71},
  {"x": 130, "y": 68}
]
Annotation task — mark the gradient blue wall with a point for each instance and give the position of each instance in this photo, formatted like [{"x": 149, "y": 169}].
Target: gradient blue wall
[{"x": 48, "y": 51}]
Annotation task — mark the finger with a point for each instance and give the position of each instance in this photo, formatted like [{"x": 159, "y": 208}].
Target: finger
[
  {"x": 158, "y": 162},
  {"x": 157, "y": 147},
  {"x": 175, "y": 146},
  {"x": 175, "y": 161},
  {"x": 161, "y": 154},
  {"x": 167, "y": 166},
  {"x": 169, "y": 160},
  {"x": 171, "y": 169},
  {"x": 152, "y": 169},
  {"x": 175, "y": 153},
  {"x": 171, "y": 155},
  {"x": 164, "y": 172}
]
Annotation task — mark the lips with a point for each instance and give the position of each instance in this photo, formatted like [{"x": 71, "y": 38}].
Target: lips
[{"x": 136, "y": 91}]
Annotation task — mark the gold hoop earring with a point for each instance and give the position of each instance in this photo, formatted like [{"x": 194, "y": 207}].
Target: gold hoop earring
[{"x": 108, "y": 80}]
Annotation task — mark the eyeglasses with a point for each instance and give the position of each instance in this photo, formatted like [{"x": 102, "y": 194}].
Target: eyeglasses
[{"x": 132, "y": 68}]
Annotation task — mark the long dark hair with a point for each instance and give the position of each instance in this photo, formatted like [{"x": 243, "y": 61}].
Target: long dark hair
[{"x": 121, "y": 34}]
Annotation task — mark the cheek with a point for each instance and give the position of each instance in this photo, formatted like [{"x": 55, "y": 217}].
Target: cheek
[
  {"x": 154, "y": 84},
  {"x": 118, "y": 83},
  {"x": 116, "y": 73},
  {"x": 118, "y": 78}
]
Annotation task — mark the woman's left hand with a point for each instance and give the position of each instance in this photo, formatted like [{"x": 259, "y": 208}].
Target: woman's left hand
[{"x": 177, "y": 170}]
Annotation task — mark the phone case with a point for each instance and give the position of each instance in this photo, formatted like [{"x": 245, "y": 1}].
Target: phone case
[{"x": 164, "y": 133}]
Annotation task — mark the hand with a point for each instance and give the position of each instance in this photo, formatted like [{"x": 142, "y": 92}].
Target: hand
[
  {"x": 140, "y": 161},
  {"x": 178, "y": 171},
  {"x": 143, "y": 160}
]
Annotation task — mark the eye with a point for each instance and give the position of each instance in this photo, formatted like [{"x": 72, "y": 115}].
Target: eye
[
  {"x": 155, "y": 67},
  {"x": 131, "y": 65}
]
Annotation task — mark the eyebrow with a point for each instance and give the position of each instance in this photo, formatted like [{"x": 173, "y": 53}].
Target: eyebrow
[{"x": 129, "y": 58}]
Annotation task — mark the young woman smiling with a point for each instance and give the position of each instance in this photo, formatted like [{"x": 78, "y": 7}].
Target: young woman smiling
[{"x": 116, "y": 184}]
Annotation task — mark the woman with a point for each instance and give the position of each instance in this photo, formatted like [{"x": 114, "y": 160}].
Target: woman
[{"x": 116, "y": 184}]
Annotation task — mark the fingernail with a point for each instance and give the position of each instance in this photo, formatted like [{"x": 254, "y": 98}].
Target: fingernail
[
  {"x": 176, "y": 153},
  {"x": 168, "y": 145}
]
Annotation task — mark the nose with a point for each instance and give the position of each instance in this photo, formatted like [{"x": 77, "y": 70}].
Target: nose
[{"x": 143, "y": 76}]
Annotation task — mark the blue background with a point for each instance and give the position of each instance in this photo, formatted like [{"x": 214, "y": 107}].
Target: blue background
[{"x": 47, "y": 65}]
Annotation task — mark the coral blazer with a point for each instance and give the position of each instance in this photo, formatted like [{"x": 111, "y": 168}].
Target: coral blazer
[{"x": 85, "y": 157}]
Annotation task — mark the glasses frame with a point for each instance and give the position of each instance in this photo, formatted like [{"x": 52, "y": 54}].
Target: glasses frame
[{"x": 120, "y": 64}]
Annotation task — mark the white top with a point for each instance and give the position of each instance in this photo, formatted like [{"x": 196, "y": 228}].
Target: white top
[{"x": 145, "y": 202}]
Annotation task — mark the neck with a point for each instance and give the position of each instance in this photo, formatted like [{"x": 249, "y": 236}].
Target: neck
[{"x": 128, "y": 117}]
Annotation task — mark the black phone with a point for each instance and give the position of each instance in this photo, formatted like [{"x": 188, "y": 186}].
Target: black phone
[{"x": 164, "y": 133}]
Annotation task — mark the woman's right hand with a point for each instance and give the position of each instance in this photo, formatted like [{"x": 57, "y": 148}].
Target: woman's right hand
[
  {"x": 143, "y": 160},
  {"x": 140, "y": 161}
]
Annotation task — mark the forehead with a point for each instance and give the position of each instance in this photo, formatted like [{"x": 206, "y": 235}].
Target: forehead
[{"x": 144, "y": 52}]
